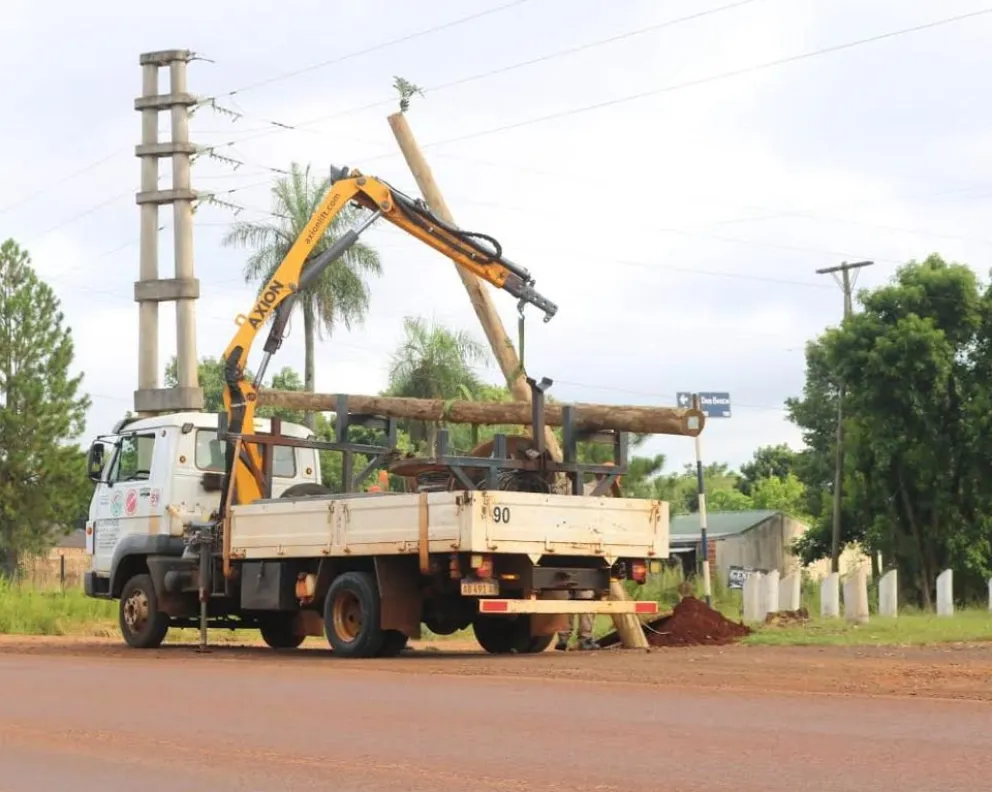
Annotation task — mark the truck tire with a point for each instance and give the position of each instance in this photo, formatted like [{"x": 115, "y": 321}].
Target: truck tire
[
  {"x": 278, "y": 632},
  {"x": 502, "y": 635},
  {"x": 351, "y": 616},
  {"x": 305, "y": 490},
  {"x": 393, "y": 643},
  {"x": 142, "y": 625}
]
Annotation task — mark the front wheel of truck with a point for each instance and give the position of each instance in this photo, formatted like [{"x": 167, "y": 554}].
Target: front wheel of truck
[
  {"x": 142, "y": 624},
  {"x": 351, "y": 616}
]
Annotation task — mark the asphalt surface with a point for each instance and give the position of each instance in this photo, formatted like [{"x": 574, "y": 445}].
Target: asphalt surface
[{"x": 178, "y": 720}]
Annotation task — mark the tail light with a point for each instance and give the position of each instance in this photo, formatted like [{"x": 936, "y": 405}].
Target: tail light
[{"x": 483, "y": 565}]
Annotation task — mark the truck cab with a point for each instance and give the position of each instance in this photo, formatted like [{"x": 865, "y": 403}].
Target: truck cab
[{"x": 153, "y": 474}]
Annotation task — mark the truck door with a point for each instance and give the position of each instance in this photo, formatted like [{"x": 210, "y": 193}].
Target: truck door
[{"x": 129, "y": 499}]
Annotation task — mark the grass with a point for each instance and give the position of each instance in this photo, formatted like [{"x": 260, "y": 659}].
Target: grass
[
  {"x": 28, "y": 611},
  {"x": 909, "y": 629}
]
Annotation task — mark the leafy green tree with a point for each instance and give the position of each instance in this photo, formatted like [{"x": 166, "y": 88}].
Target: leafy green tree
[
  {"x": 210, "y": 371},
  {"x": 43, "y": 481},
  {"x": 915, "y": 362},
  {"x": 341, "y": 294},
  {"x": 433, "y": 362},
  {"x": 768, "y": 462},
  {"x": 786, "y": 494}
]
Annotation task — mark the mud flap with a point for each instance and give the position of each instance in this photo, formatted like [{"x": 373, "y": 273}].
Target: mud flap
[{"x": 401, "y": 606}]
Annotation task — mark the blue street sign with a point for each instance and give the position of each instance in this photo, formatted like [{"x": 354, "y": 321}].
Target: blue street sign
[{"x": 712, "y": 404}]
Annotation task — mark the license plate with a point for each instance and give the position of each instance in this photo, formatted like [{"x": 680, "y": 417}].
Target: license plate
[{"x": 480, "y": 588}]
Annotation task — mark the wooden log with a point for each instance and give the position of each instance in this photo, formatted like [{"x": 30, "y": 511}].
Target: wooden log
[
  {"x": 478, "y": 293},
  {"x": 588, "y": 417}
]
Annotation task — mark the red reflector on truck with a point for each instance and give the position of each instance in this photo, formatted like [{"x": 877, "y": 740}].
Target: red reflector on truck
[
  {"x": 493, "y": 606},
  {"x": 645, "y": 607}
]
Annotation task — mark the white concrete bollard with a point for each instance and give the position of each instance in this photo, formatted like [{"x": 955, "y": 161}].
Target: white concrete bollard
[
  {"x": 790, "y": 592},
  {"x": 888, "y": 594},
  {"x": 856, "y": 597},
  {"x": 945, "y": 593},
  {"x": 769, "y": 591},
  {"x": 830, "y": 596},
  {"x": 752, "y": 597}
]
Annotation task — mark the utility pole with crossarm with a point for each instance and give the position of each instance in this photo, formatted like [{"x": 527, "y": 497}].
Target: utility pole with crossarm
[{"x": 847, "y": 284}]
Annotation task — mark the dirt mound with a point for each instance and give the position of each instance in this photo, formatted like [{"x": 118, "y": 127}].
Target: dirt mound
[
  {"x": 787, "y": 618},
  {"x": 691, "y": 623}
]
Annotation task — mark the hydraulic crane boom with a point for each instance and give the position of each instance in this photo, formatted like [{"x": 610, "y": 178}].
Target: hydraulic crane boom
[{"x": 478, "y": 253}]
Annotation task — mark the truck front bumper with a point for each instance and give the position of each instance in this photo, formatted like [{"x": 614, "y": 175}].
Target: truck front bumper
[{"x": 96, "y": 586}]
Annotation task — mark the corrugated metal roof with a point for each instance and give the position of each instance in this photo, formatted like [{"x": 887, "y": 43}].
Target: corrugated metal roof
[{"x": 685, "y": 527}]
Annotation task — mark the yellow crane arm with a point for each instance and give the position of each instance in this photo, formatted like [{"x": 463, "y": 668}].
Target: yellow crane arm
[{"x": 478, "y": 253}]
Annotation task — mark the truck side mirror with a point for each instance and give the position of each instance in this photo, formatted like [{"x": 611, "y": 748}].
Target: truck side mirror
[{"x": 94, "y": 462}]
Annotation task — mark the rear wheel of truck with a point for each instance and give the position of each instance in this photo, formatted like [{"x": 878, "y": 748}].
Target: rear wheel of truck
[
  {"x": 503, "y": 634},
  {"x": 351, "y": 616},
  {"x": 142, "y": 624},
  {"x": 279, "y": 632}
]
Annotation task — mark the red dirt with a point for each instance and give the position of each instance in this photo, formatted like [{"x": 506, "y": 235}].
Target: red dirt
[
  {"x": 691, "y": 623},
  {"x": 694, "y": 623}
]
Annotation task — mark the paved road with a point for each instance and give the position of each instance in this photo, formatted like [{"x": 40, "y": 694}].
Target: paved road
[{"x": 221, "y": 723}]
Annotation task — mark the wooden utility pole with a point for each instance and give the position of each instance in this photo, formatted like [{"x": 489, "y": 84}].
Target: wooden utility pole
[
  {"x": 847, "y": 285},
  {"x": 500, "y": 343},
  {"x": 628, "y": 626}
]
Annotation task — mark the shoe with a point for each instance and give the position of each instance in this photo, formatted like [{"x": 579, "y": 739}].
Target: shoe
[
  {"x": 561, "y": 646},
  {"x": 587, "y": 644}
]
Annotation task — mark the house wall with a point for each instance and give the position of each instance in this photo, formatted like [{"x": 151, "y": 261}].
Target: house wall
[
  {"x": 766, "y": 546},
  {"x": 45, "y": 571}
]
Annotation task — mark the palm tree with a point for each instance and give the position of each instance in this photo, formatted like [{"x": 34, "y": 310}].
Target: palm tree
[
  {"x": 341, "y": 294},
  {"x": 434, "y": 362}
]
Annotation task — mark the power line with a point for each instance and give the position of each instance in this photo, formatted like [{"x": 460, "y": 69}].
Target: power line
[
  {"x": 530, "y": 62},
  {"x": 710, "y": 79},
  {"x": 52, "y": 185},
  {"x": 367, "y": 50}
]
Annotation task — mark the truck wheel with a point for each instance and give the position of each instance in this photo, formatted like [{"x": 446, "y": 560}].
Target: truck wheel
[
  {"x": 280, "y": 633},
  {"x": 142, "y": 624},
  {"x": 502, "y": 635},
  {"x": 305, "y": 490},
  {"x": 351, "y": 616},
  {"x": 393, "y": 643}
]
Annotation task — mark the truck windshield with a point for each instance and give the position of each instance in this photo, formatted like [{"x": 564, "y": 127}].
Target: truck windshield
[{"x": 210, "y": 455}]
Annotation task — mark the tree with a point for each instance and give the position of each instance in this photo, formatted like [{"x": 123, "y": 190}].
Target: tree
[
  {"x": 916, "y": 362},
  {"x": 210, "y": 371},
  {"x": 768, "y": 462},
  {"x": 341, "y": 294},
  {"x": 43, "y": 481},
  {"x": 433, "y": 362}
]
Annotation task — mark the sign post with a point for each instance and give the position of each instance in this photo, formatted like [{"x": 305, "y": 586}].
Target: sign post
[{"x": 712, "y": 405}]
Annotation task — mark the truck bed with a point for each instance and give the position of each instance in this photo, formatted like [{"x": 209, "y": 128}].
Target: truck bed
[{"x": 528, "y": 523}]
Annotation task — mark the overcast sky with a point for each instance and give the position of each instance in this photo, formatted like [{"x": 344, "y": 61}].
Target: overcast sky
[{"x": 678, "y": 231}]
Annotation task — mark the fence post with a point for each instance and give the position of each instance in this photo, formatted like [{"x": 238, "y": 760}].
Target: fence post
[{"x": 62, "y": 572}]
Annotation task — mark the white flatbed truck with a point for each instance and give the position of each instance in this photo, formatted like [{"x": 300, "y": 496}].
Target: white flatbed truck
[
  {"x": 366, "y": 569},
  {"x": 205, "y": 519}
]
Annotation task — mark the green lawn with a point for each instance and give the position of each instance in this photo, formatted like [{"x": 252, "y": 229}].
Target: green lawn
[
  {"x": 28, "y": 611},
  {"x": 906, "y": 630}
]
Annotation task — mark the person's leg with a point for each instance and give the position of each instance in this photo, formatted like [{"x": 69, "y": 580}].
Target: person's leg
[
  {"x": 587, "y": 622},
  {"x": 564, "y": 636}
]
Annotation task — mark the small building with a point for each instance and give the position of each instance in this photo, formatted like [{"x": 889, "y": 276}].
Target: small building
[{"x": 759, "y": 539}]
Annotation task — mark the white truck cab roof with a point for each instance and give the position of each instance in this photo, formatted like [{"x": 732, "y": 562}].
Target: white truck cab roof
[{"x": 202, "y": 420}]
